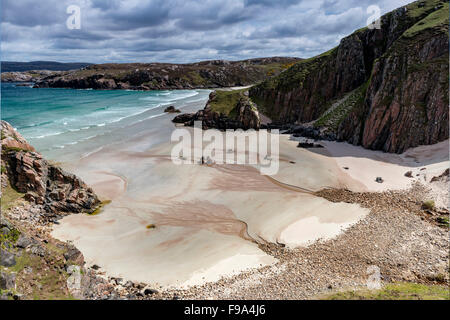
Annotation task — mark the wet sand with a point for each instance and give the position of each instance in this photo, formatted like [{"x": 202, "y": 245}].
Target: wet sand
[{"x": 208, "y": 220}]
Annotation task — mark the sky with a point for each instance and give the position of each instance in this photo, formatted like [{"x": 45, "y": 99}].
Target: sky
[{"x": 178, "y": 31}]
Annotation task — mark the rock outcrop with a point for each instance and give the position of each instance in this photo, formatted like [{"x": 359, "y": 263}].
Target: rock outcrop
[
  {"x": 391, "y": 83},
  {"x": 42, "y": 183},
  {"x": 241, "y": 113},
  {"x": 26, "y": 76},
  {"x": 157, "y": 76}
]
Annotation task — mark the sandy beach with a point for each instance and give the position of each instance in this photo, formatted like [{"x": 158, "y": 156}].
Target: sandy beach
[
  {"x": 208, "y": 219},
  {"x": 175, "y": 226}
]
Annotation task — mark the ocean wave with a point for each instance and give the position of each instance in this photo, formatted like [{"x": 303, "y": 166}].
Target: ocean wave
[
  {"x": 47, "y": 135},
  {"x": 176, "y": 96},
  {"x": 36, "y": 125},
  {"x": 87, "y": 154},
  {"x": 148, "y": 118}
]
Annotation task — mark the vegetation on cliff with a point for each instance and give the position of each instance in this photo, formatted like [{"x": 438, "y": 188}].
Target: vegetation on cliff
[{"x": 399, "y": 76}]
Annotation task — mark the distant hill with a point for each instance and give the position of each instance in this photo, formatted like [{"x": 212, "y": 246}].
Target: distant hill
[
  {"x": 168, "y": 76},
  {"x": 13, "y": 66}
]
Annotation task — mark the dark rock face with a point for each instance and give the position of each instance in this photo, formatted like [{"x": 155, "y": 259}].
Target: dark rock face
[
  {"x": 41, "y": 182},
  {"x": 401, "y": 69},
  {"x": 158, "y": 76}
]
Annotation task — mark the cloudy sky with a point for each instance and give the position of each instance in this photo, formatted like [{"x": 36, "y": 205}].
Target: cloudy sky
[{"x": 178, "y": 30}]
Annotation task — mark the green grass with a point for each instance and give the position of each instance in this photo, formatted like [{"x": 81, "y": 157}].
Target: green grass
[
  {"x": 333, "y": 119},
  {"x": 297, "y": 73},
  {"x": 396, "y": 291},
  {"x": 7, "y": 240},
  {"x": 414, "y": 11},
  {"x": 100, "y": 207},
  {"x": 443, "y": 221},
  {"x": 439, "y": 18},
  {"x": 9, "y": 197},
  {"x": 16, "y": 149},
  {"x": 22, "y": 261},
  {"x": 226, "y": 101},
  {"x": 429, "y": 205}
]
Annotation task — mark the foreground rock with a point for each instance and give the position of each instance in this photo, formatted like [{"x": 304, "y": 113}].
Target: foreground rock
[{"x": 41, "y": 182}]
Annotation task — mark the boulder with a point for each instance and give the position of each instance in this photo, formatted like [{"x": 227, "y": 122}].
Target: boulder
[
  {"x": 74, "y": 255},
  {"x": 184, "y": 118},
  {"x": 7, "y": 259},
  {"x": 409, "y": 174},
  {"x": 41, "y": 182},
  {"x": 171, "y": 109},
  {"x": 7, "y": 281}
]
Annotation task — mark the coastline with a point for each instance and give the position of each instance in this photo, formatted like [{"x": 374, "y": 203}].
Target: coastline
[{"x": 183, "y": 219}]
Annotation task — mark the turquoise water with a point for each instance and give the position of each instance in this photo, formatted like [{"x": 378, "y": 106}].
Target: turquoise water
[{"x": 56, "y": 120}]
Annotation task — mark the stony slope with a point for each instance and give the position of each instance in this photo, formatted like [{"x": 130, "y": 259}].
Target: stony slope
[
  {"x": 399, "y": 74},
  {"x": 154, "y": 76}
]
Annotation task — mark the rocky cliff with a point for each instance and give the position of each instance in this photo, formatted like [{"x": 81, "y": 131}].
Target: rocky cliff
[
  {"x": 225, "y": 110},
  {"x": 155, "y": 76},
  {"x": 382, "y": 88},
  {"x": 26, "y": 172}
]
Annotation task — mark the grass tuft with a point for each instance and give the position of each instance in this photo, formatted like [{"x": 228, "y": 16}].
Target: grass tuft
[
  {"x": 100, "y": 207},
  {"x": 396, "y": 291},
  {"x": 429, "y": 205}
]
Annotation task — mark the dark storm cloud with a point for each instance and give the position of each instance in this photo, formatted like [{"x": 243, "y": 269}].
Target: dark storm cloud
[
  {"x": 33, "y": 13},
  {"x": 179, "y": 30}
]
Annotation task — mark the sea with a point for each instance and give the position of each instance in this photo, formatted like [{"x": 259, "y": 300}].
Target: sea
[{"x": 66, "y": 124}]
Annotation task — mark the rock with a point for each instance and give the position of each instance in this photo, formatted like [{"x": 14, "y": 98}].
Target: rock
[
  {"x": 73, "y": 255},
  {"x": 148, "y": 291},
  {"x": 11, "y": 139},
  {"x": 399, "y": 82},
  {"x": 245, "y": 116},
  {"x": 24, "y": 242},
  {"x": 42, "y": 182},
  {"x": 7, "y": 281},
  {"x": 38, "y": 250},
  {"x": 379, "y": 180},
  {"x": 159, "y": 76},
  {"x": 409, "y": 174},
  {"x": 308, "y": 145},
  {"x": 171, "y": 109},
  {"x": 7, "y": 259},
  {"x": 443, "y": 176},
  {"x": 184, "y": 118}
]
